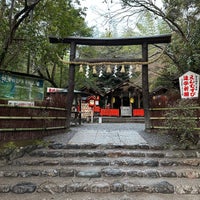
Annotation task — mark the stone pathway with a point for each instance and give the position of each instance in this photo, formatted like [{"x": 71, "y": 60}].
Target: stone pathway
[
  {"x": 103, "y": 162},
  {"x": 130, "y": 137},
  {"x": 112, "y": 133}
]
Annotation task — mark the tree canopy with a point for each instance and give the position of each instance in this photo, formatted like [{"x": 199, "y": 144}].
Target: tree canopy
[
  {"x": 25, "y": 28},
  {"x": 26, "y": 25},
  {"x": 183, "y": 19}
]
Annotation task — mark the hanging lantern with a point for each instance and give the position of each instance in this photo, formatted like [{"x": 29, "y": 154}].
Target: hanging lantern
[
  {"x": 113, "y": 99},
  {"x": 132, "y": 100},
  {"x": 108, "y": 70},
  {"x": 122, "y": 69},
  {"x": 81, "y": 69},
  {"x": 94, "y": 70}
]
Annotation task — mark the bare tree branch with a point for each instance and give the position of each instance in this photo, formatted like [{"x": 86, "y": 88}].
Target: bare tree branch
[
  {"x": 150, "y": 6},
  {"x": 47, "y": 78}
]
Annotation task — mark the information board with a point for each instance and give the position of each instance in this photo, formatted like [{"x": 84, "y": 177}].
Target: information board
[{"x": 15, "y": 87}]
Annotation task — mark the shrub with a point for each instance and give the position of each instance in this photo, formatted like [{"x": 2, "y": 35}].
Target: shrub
[{"x": 181, "y": 120}]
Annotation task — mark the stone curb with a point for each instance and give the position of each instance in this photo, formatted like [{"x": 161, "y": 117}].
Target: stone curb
[
  {"x": 106, "y": 162},
  {"x": 113, "y": 146},
  {"x": 106, "y": 172},
  {"x": 114, "y": 153},
  {"x": 100, "y": 187}
]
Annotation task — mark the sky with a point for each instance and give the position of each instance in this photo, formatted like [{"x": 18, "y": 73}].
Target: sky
[
  {"x": 96, "y": 13},
  {"x": 99, "y": 13}
]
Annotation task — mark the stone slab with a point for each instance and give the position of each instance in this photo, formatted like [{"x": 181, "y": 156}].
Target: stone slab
[{"x": 115, "y": 137}]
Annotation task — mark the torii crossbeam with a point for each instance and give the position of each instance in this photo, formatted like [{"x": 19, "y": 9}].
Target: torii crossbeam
[{"x": 143, "y": 41}]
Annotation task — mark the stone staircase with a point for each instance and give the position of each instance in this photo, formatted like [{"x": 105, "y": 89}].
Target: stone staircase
[{"x": 70, "y": 172}]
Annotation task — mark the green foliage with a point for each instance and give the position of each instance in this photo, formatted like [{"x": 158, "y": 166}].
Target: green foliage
[
  {"x": 30, "y": 45},
  {"x": 179, "y": 17},
  {"x": 181, "y": 120},
  {"x": 10, "y": 145},
  {"x": 40, "y": 143},
  {"x": 104, "y": 82},
  {"x": 107, "y": 80},
  {"x": 110, "y": 81},
  {"x": 82, "y": 81},
  {"x": 183, "y": 20},
  {"x": 59, "y": 19},
  {"x": 167, "y": 78},
  {"x": 151, "y": 25}
]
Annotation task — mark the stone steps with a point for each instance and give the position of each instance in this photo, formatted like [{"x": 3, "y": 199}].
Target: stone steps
[
  {"x": 96, "y": 153},
  {"x": 97, "y": 196},
  {"x": 95, "y": 169},
  {"x": 137, "y": 147},
  {"x": 107, "y": 146},
  {"x": 115, "y": 153},
  {"x": 102, "y": 185},
  {"x": 91, "y": 172},
  {"x": 98, "y": 167},
  {"x": 125, "y": 161}
]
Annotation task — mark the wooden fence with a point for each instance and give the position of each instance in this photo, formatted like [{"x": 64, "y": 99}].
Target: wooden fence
[
  {"x": 157, "y": 117},
  {"x": 30, "y": 122}
]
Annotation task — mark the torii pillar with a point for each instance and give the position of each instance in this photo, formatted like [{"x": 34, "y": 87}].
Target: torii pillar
[
  {"x": 145, "y": 87},
  {"x": 71, "y": 83},
  {"x": 144, "y": 41}
]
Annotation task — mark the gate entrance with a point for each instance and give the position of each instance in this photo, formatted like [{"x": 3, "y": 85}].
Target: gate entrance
[{"x": 143, "y": 41}]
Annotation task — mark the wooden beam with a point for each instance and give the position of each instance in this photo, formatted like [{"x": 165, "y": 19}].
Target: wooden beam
[{"x": 158, "y": 39}]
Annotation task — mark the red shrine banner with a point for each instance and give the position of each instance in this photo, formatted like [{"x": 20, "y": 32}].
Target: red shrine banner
[{"x": 189, "y": 85}]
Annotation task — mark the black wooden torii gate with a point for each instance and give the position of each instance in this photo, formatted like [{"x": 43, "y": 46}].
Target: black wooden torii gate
[{"x": 143, "y": 41}]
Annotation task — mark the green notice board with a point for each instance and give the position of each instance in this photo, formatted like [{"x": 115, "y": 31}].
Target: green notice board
[{"x": 21, "y": 87}]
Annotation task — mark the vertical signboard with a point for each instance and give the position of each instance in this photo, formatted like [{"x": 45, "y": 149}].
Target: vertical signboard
[{"x": 189, "y": 85}]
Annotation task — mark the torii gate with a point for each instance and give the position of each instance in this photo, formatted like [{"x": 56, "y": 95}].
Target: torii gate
[{"x": 143, "y": 41}]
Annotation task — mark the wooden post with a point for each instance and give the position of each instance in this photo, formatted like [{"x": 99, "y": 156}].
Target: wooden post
[
  {"x": 71, "y": 83},
  {"x": 79, "y": 116},
  {"x": 139, "y": 101},
  {"x": 145, "y": 86}
]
